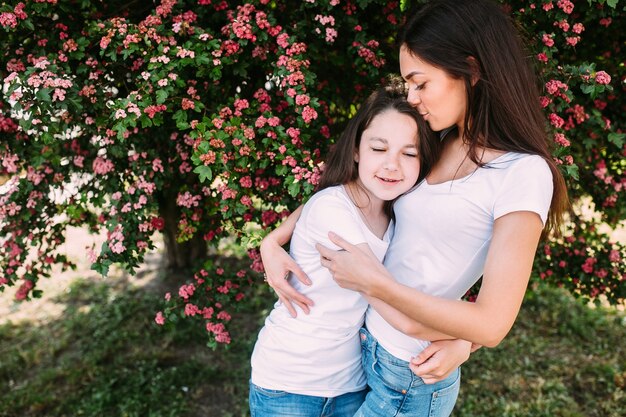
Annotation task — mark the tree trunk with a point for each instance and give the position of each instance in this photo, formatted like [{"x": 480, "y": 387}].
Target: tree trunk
[{"x": 179, "y": 256}]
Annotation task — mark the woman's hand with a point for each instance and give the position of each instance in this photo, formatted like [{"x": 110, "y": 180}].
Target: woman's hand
[
  {"x": 278, "y": 265},
  {"x": 353, "y": 268},
  {"x": 439, "y": 359}
]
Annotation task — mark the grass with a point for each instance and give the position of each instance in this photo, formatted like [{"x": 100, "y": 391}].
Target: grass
[{"x": 105, "y": 357}]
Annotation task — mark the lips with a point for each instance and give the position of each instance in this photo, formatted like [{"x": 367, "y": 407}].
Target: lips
[{"x": 389, "y": 180}]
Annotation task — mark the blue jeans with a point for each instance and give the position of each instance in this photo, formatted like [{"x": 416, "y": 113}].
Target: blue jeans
[
  {"x": 274, "y": 403},
  {"x": 395, "y": 391}
]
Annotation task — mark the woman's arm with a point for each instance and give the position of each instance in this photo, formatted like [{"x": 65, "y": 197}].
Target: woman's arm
[
  {"x": 398, "y": 320},
  {"x": 486, "y": 321},
  {"x": 278, "y": 264},
  {"x": 402, "y": 323}
]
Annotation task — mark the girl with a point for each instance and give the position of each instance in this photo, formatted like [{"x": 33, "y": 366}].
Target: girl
[
  {"x": 311, "y": 366},
  {"x": 481, "y": 210}
]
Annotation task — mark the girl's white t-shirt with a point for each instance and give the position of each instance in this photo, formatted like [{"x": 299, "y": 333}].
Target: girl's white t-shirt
[
  {"x": 443, "y": 232},
  {"x": 318, "y": 353}
]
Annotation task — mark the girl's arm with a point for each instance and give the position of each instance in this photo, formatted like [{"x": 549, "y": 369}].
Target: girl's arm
[
  {"x": 278, "y": 264},
  {"x": 486, "y": 321}
]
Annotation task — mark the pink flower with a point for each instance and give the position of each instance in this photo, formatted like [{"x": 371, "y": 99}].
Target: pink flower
[
  {"x": 23, "y": 290},
  {"x": 572, "y": 40},
  {"x": 547, "y": 40},
  {"x": 566, "y": 5},
  {"x": 556, "y": 120},
  {"x": 191, "y": 309},
  {"x": 8, "y": 20},
  {"x": 159, "y": 318},
  {"x": 603, "y": 78},
  {"x": 606, "y": 22},
  {"x": 222, "y": 315},
  {"x": 309, "y": 114},
  {"x": 614, "y": 256},
  {"x": 102, "y": 166},
  {"x": 561, "y": 140},
  {"x": 578, "y": 28}
]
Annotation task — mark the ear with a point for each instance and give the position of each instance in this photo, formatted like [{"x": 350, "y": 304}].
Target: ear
[
  {"x": 356, "y": 157},
  {"x": 475, "y": 68}
]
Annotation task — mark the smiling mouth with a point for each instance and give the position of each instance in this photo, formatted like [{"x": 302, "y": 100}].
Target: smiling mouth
[{"x": 388, "y": 180}]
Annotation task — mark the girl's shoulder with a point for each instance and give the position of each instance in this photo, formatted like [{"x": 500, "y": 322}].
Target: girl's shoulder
[{"x": 329, "y": 200}]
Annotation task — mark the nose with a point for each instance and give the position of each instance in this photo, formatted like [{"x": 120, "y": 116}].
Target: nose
[
  {"x": 413, "y": 97},
  {"x": 391, "y": 163}
]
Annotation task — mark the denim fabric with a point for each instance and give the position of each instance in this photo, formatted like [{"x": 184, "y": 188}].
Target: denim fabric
[
  {"x": 274, "y": 403},
  {"x": 396, "y": 391}
]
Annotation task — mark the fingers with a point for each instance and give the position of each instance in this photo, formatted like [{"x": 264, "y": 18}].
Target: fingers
[
  {"x": 325, "y": 253},
  {"x": 288, "y": 306},
  {"x": 299, "y": 274},
  {"x": 425, "y": 354},
  {"x": 431, "y": 371},
  {"x": 341, "y": 242}
]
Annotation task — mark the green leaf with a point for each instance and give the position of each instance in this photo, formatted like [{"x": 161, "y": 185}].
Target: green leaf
[
  {"x": 161, "y": 96},
  {"x": 43, "y": 94},
  {"x": 101, "y": 267},
  {"x": 294, "y": 189},
  {"x": 181, "y": 120},
  {"x": 29, "y": 24},
  {"x": 587, "y": 88},
  {"x": 617, "y": 139},
  {"x": 281, "y": 170},
  {"x": 204, "y": 172},
  {"x": 572, "y": 171},
  {"x": 612, "y": 3}
]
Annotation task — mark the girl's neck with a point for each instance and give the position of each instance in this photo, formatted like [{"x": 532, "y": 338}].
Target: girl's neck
[{"x": 370, "y": 208}]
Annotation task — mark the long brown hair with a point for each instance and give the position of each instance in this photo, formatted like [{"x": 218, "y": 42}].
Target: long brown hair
[
  {"x": 474, "y": 40},
  {"x": 340, "y": 167}
]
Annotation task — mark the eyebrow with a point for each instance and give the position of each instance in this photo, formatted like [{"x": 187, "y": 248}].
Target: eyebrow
[
  {"x": 411, "y": 74},
  {"x": 385, "y": 141}
]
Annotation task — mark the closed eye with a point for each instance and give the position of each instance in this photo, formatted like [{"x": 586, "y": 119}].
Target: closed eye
[
  {"x": 378, "y": 149},
  {"x": 411, "y": 155}
]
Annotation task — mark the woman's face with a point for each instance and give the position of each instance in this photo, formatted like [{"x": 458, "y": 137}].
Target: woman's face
[{"x": 439, "y": 98}]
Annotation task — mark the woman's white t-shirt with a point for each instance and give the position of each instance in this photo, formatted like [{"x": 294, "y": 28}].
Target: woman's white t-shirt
[
  {"x": 318, "y": 353},
  {"x": 443, "y": 232}
]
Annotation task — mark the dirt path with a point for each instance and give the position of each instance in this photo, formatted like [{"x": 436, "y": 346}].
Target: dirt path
[{"x": 47, "y": 308}]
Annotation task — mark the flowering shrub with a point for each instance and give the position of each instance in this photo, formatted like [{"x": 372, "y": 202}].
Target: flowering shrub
[{"x": 209, "y": 119}]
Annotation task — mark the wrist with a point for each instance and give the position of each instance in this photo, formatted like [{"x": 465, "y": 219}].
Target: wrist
[{"x": 379, "y": 288}]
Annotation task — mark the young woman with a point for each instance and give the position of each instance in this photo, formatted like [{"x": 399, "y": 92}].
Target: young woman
[
  {"x": 479, "y": 212},
  {"x": 311, "y": 366}
]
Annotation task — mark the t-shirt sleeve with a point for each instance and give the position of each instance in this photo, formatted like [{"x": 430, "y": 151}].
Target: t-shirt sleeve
[
  {"x": 527, "y": 186},
  {"x": 331, "y": 213}
]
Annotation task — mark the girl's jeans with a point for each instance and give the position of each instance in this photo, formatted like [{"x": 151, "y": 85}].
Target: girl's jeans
[
  {"x": 396, "y": 391},
  {"x": 274, "y": 403}
]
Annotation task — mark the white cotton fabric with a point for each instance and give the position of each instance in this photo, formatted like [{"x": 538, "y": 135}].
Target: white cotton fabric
[
  {"x": 318, "y": 354},
  {"x": 443, "y": 232}
]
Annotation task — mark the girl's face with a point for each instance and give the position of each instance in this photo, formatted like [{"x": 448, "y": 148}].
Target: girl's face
[
  {"x": 388, "y": 156},
  {"x": 439, "y": 98}
]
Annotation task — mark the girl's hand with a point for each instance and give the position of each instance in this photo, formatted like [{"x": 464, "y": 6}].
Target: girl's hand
[
  {"x": 353, "y": 268},
  {"x": 439, "y": 359},
  {"x": 278, "y": 265}
]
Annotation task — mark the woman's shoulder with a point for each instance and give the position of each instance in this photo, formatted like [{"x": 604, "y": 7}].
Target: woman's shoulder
[{"x": 519, "y": 160}]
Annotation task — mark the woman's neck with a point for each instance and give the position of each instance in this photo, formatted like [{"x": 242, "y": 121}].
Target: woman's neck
[{"x": 456, "y": 162}]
